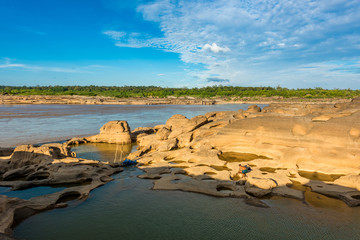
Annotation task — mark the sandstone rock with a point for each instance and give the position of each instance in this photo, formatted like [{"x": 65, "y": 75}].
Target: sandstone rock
[
  {"x": 32, "y": 166},
  {"x": 158, "y": 127},
  {"x": 168, "y": 145},
  {"x": 196, "y": 122},
  {"x": 354, "y": 133},
  {"x": 259, "y": 187},
  {"x": 163, "y": 134},
  {"x": 6, "y": 151},
  {"x": 113, "y": 132},
  {"x": 253, "y": 109},
  {"x": 184, "y": 140},
  {"x": 139, "y": 132},
  {"x": 351, "y": 181},
  {"x": 76, "y": 141},
  {"x": 176, "y": 121},
  {"x": 321, "y": 118},
  {"x": 28, "y": 154}
]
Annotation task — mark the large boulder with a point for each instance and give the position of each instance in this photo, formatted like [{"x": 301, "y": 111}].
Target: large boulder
[
  {"x": 259, "y": 187},
  {"x": 28, "y": 154},
  {"x": 163, "y": 134},
  {"x": 176, "y": 121},
  {"x": 253, "y": 109},
  {"x": 180, "y": 124},
  {"x": 113, "y": 132}
]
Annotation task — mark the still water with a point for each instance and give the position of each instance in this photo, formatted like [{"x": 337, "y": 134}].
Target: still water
[
  {"x": 127, "y": 208},
  {"x": 25, "y": 124}
]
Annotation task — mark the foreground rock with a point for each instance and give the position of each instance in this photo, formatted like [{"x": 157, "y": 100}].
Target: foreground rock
[
  {"x": 113, "y": 132},
  {"x": 48, "y": 165},
  {"x": 312, "y": 145}
]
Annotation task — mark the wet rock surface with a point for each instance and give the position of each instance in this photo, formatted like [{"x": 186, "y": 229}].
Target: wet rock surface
[{"x": 47, "y": 165}]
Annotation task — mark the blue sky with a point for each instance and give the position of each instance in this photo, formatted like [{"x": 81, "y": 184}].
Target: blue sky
[{"x": 183, "y": 43}]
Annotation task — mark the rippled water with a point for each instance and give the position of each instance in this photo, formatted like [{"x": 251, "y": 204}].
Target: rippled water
[{"x": 127, "y": 208}]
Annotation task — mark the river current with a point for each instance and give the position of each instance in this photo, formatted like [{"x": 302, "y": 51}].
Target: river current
[{"x": 127, "y": 208}]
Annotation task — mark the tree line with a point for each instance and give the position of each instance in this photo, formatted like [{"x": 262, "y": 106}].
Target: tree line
[{"x": 161, "y": 92}]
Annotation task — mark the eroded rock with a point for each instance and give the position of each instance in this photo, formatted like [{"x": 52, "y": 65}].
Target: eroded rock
[{"x": 113, "y": 132}]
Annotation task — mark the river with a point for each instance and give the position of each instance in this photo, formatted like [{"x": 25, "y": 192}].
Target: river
[{"x": 127, "y": 208}]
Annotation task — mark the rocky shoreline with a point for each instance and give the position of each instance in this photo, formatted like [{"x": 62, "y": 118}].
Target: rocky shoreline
[
  {"x": 291, "y": 148},
  {"x": 75, "y": 99}
]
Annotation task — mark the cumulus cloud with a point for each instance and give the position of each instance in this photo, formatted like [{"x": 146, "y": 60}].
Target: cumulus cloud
[
  {"x": 215, "y": 48},
  {"x": 260, "y": 38}
]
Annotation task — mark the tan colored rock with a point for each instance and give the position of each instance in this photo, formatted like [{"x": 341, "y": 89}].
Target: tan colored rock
[
  {"x": 253, "y": 109},
  {"x": 184, "y": 140},
  {"x": 76, "y": 141},
  {"x": 177, "y": 121},
  {"x": 188, "y": 125},
  {"x": 197, "y": 122},
  {"x": 158, "y": 127},
  {"x": 285, "y": 139},
  {"x": 168, "y": 145},
  {"x": 354, "y": 133},
  {"x": 259, "y": 187},
  {"x": 351, "y": 181},
  {"x": 140, "y": 132},
  {"x": 28, "y": 154},
  {"x": 163, "y": 134},
  {"x": 113, "y": 132}
]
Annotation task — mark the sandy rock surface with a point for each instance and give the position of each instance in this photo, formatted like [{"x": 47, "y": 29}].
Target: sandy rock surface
[{"x": 287, "y": 145}]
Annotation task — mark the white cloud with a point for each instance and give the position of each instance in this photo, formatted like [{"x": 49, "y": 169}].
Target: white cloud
[
  {"x": 116, "y": 35},
  {"x": 7, "y": 64},
  {"x": 215, "y": 48},
  {"x": 265, "y": 37}
]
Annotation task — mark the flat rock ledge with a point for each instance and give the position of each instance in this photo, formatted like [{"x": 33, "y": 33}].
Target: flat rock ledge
[
  {"x": 30, "y": 166},
  {"x": 315, "y": 146}
]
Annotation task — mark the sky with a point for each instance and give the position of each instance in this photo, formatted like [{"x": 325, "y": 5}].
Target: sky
[{"x": 181, "y": 43}]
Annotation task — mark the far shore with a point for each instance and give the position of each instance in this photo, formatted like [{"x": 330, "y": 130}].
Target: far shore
[{"x": 76, "y": 99}]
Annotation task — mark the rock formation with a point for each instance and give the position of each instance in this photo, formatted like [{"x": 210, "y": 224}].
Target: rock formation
[
  {"x": 113, "y": 132},
  {"x": 291, "y": 148},
  {"x": 47, "y": 165},
  {"x": 314, "y": 145}
]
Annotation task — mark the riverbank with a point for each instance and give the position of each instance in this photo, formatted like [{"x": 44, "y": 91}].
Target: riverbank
[
  {"x": 76, "y": 99},
  {"x": 293, "y": 150}
]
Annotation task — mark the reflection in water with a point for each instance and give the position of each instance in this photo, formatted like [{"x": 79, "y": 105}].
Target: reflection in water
[
  {"x": 31, "y": 192},
  {"x": 318, "y": 200},
  {"x": 112, "y": 153},
  {"x": 320, "y": 176},
  {"x": 127, "y": 208}
]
